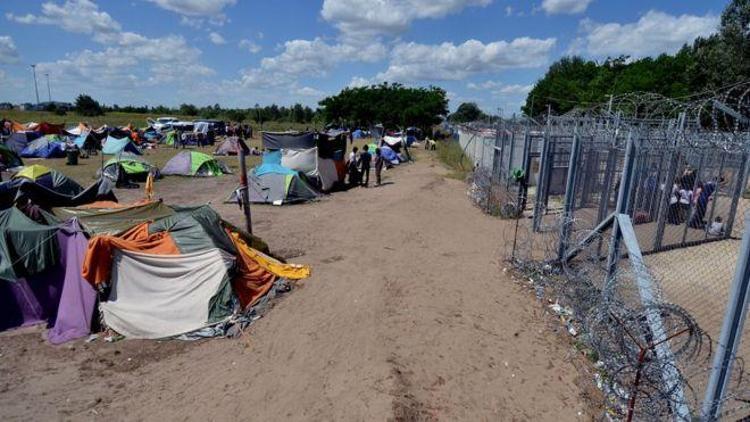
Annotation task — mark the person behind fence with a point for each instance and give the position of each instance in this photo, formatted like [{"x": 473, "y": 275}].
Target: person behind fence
[
  {"x": 379, "y": 161},
  {"x": 717, "y": 227},
  {"x": 673, "y": 213},
  {"x": 703, "y": 196},
  {"x": 352, "y": 168},
  {"x": 365, "y": 161}
]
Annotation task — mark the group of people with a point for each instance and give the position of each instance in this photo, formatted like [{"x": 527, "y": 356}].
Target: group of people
[
  {"x": 240, "y": 130},
  {"x": 689, "y": 202},
  {"x": 359, "y": 164}
]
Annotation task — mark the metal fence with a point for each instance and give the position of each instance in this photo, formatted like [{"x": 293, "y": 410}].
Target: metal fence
[{"x": 635, "y": 225}]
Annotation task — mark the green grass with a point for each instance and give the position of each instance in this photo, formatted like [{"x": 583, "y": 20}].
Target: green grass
[
  {"x": 122, "y": 119},
  {"x": 452, "y": 155}
]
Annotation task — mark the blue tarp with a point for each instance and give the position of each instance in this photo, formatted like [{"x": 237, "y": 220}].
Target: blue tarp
[
  {"x": 389, "y": 155},
  {"x": 116, "y": 146},
  {"x": 43, "y": 148},
  {"x": 357, "y": 134},
  {"x": 272, "y": 164}
]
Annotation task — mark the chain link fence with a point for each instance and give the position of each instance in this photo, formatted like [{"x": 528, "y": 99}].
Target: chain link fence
[{"x": 634, "y": 228}]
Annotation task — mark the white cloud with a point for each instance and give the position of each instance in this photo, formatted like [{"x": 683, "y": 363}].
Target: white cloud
[
  {"x": 8, "y": 51},
  {"x": 500, "y": 89},
  {"x": 388, "y": 16},
  {"x": 568, "y": 7},
  {"x": 77, "y": 16},
  {"x": 654, "y": 33},
  {"x": 419, "y": 62},
  {"x": 359, "y": 82},
  {"x": 160, "y": 60},
  {"x": 250, "y": 46},
  {"x": 310, "y": 92},
  {"x": 216, "y": 38},
  {"x": 206, "y": 8}
]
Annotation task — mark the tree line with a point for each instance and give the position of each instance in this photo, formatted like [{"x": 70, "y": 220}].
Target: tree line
[
  {"x": 298, "y": 113},
  {"x": 708, "y": 63}
]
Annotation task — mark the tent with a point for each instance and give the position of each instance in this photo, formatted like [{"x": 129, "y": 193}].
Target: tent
[
  {"x": 230, "y": 146},
  {"x": 319, "y": 156},
  {"x": 358, "y": 134},
  {"x": 46, "y": 128},
  {"x": 89, "y": 141},
  {"x": 128, "y": 168},
  {"x": 48, "y": 146},
  {"x": 9, "y": 159},
  {"x": 47, "y": 285},
  {"x": 19, "y": 140},
  {"x": 193, "y": 163},
  {"x": 77, "y": 130},
  {"x": 272, "y": 183},
  {"x": 160, "y": 272},
  {"x": 50, "y": 179},
  {"x": 116, "y": 146}
]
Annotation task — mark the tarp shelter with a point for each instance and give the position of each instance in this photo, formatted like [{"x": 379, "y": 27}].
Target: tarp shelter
[
  {"x": 117, "y": 146},
  {"x": 51, "y": 289},
  {"x": 128, "y": 167},
  {"x": 48, "y": 146},
  {"x": 9, "y": 159},
  {"x": 46, "y": 128},
  {"x": 193, "y": 163},
  {"x": 19, "y": 140},
  {"x": 272, "y": 183},
  {"x": 230, "y": 146}
]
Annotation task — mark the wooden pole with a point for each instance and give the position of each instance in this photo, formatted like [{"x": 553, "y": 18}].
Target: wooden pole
[{"x": 244, "y": 190}]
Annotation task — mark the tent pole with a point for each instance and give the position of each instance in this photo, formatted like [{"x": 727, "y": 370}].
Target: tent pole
[{"x": 244, "y": 190}]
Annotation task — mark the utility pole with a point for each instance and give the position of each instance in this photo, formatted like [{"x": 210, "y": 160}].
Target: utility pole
[
  {"x": 49, "y": 91},
  {"x": 36, "y": 87}
]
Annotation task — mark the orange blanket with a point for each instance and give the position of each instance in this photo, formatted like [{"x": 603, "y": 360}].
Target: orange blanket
[
  {"x": 97, "y": 264},
  {"x": 252, "y": 281}
]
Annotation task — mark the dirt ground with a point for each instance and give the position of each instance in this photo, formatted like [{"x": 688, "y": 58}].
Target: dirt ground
[{"x": 408, "y": 316}]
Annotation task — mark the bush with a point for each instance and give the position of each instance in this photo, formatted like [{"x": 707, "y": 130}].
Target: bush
[{"x": 87, "y": 106}]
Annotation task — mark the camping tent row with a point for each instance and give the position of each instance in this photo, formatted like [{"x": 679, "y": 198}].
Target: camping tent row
[{"x": 151, "y": 271}]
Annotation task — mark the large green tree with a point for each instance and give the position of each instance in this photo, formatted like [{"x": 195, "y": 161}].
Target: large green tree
[
  {"x": 467, "y": 112},
  {"x": 393, "y": 105},
  {"x": 87, "y": 106},
  {"x": 708, "y": 63}
]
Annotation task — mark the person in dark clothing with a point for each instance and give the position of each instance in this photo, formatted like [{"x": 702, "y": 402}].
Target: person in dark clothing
[
  {"x": 378, "y": 166},
  {"x": 352, "y": 168},
  {"x": 365, "y": 160}
]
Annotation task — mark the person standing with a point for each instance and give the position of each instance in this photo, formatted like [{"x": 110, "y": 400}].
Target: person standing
[
  {"x": 352, "y": 167},
  {"x": 365, "y": 160},
  {"x": 378, "y": 166}
]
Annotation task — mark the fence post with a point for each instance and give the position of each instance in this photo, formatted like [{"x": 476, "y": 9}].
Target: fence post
[
  {"x": 737, "y": 194},
  {"x": 541, "y": 188},
  {"x": 622, "y": 204},
  {"x": 731, "y": 331},
  {"x": 570, "y": 194}
]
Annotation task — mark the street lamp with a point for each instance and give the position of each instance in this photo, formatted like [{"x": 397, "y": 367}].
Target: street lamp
[{"x": 36, "y": 88}]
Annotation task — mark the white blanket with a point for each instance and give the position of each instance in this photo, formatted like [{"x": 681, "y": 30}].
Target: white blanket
[{"x": 157, "y": 296}]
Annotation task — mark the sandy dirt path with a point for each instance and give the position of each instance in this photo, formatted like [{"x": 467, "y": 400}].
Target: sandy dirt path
[{"x": 408, "y": 316}]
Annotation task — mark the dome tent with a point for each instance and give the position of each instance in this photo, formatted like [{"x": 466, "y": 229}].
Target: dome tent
[
  {"x": 48, "y": 146},
  {"x": 50, "y": 179},
  {"x": 230, "y": 146},
  {"x": 127, "y": 168},
  {"x": 194, "y": 163},
  {"x": 272, "y": 183}
]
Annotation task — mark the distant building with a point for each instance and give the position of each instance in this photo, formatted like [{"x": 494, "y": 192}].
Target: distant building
[
  {"x": 49, "y": 105},
  {"x": 6, "y": 106}
]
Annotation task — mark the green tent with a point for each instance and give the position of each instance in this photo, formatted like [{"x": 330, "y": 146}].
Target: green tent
[
  {"x": 26, "y": 247},
  {"x": 9, "y": 158},
  {"x": 128, "y": 167},
  {"x": 194, "y": 163}
]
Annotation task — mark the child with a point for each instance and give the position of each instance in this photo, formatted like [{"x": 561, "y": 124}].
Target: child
[
  {"x": 353, "y": 172},
  {"x": 365, "y": 160},
  {"x": 378, "y": 166},
  {"x": 717, "y": 227}
]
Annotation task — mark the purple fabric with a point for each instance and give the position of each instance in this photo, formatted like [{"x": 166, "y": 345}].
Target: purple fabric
[
  {"x": 30, "y": 300},
  {"x": 76, "y": 305}
]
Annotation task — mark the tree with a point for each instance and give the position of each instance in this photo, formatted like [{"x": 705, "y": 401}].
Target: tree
[
  {"x": 393, "y": 105},
  {"x": 188, "y": 110},
  {"x": 235, "y": 115},
  {"x": 467, "y": 112},
  {"x": 87, "y": 106}
]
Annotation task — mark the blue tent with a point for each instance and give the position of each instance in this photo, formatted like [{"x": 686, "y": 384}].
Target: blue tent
[
  {"x": 357, "y": 134},
  {"x": 116, "y": 146},
  {"x": 389, "y": 155},
  {"x": 272, "y": 164},
  {"x": 48, "y": 146},
  {"x": 19, "y": 140}
]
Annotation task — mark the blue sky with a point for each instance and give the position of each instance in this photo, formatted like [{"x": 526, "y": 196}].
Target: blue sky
[{"x": 242, "y": 52}]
